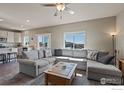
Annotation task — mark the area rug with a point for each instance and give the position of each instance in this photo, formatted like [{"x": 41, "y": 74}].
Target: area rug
[
  {"x": 22, "y": 79},
  {"x": 9, "y": 75}
]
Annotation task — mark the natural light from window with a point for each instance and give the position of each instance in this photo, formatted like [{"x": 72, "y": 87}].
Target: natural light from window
[
  {"x": 74, "y": 40},
  {"x": 79, "y": 75},
  {"x": 44, "y": 41},
  {"x": 26, "y": 40}
]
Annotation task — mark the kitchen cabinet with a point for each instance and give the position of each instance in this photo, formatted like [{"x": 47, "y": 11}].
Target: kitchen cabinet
[
  {"x": 10, "y": 37},
  {"x": 3, "y": 34},
  {"x": 17, "y": 37}
]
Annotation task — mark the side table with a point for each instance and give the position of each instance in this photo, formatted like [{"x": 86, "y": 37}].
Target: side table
[{"x": 121, "y": 67}]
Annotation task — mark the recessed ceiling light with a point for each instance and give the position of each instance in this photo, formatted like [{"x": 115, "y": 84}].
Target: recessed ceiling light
[
  {"x": 1, "y": 19},
  {"x": 28, "y": 21},
  {"x": 22, "y": 26},
  {"x": 71, "y": 12}
]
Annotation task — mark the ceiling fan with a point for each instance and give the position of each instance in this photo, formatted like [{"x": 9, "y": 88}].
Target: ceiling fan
[{"x": 60, "y": 7}]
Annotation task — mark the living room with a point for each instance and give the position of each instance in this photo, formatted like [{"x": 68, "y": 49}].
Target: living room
[{"x": 64, "y": 46}]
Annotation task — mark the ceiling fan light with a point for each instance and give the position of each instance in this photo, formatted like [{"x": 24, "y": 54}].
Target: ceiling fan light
[{"x": 60, "y": 7}]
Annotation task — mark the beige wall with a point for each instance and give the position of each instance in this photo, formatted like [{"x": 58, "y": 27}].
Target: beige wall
[
  {"x": 120, "y": 34},
  {"x": 97, "y": 33}
]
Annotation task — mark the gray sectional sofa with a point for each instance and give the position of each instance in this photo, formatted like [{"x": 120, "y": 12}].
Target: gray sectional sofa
[
  {"x": 36, "y": 61},
  {"x": 75, "y": 56},
  {"x": 33, "y": 62}
]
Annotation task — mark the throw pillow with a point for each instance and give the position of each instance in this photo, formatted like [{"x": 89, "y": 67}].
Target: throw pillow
[
  {"x": 101, "y": 54},
  {"x": 112, "y": 62},
  {"x": 47, "y": 52},
  {"x": 106, "y": 59},
  {"x": 92, "y": 54},
  {"x": 41, "y": 53}
]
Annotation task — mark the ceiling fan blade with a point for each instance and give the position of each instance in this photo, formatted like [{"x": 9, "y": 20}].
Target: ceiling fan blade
[
  {"x": 49, "y": 5},
  {"x": 66, "y": 4},
  {"x": 69, "y": 10}
]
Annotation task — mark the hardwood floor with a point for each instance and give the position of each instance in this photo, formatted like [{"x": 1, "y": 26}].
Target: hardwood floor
[{"x": 5, "y": 69}]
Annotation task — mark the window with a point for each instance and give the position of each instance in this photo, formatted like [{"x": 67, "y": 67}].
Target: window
[
  {"x": 26, "y": 40},
  {"x": 74, "y": 40},
  {"x": 44, "y": 41}
]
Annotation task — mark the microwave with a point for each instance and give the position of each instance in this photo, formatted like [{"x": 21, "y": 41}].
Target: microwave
[{"x": 3, "y": 40}]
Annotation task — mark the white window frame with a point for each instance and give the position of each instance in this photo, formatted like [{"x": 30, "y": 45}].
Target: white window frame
[
  {"x": 24, "y": 40},
  {"x": 49, "y": 40},
  {"x": 73, "y": 33}
]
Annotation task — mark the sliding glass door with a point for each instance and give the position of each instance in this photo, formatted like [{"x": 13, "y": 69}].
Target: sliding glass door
[{"x": 44, "y": 41}]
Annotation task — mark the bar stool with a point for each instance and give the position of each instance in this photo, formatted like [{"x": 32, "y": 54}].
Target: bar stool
[
  {"x": 11, "y": 56},
  {"x": 3, "y": 57}
]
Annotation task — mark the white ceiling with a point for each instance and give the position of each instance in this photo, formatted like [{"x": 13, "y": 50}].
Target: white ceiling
[{"x": 15, "y": 15}]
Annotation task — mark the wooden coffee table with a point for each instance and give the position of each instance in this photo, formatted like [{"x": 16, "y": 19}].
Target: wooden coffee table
[{"x": 61, "y": 73}]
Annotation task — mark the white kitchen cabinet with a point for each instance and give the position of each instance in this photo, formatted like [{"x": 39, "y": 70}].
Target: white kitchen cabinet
[
  {"x": 17, "y": 37},
  {"x": 3, "y": 34},
  {"x": 10, "y": 37}
]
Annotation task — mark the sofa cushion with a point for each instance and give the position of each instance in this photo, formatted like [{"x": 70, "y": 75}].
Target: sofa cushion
[
  {"x": 47, "y": 52},
  {"x": 80, "y": 53},
  {"x": 62, "y": 58},
  {"x": 33, "y": 54},
  {"x": 67, "y": 52},
  {"x": 77, "y": 59},
  {"x": 106, "y": 59},
  {"x": 26, "y": 61},
  {"x": 101, "y": 54},
  {"x": 81, "y": 62},
  {"x": 41, "y": 54},
  {"x": 41, "y": 63},
  {"x": 92, "y": 54},
  {"x": 96, "y": 67},
  {"x": 51, "y": 60}
]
